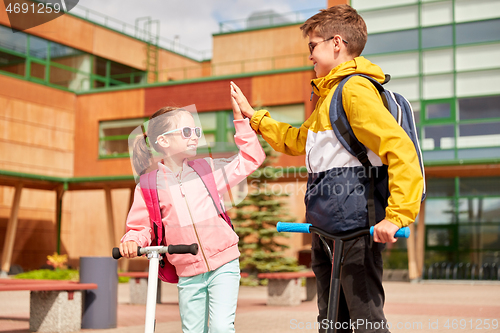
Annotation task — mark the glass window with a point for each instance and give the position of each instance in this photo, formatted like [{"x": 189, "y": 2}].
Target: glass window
[
  {"x": 480, "y": 186},
  {"x": 479, "y": 129},
  {"x": 437, "y": 36},
  {"x": 475, "y": 32},
  {"x": 12, "y": 64},
  {"x": 290, "y": 114},
  {"x": 438, "y": 61},
  {"x": 124, "y": 73},
  {"x": 37, "y": 70},
  {"x": 391, "y": 42},
  {"x": 100, "y": 66},
  {"x": 13, "y": 41},
  {"x": 440, "y": 187},
  {"x": 370, "y": 4},
  {"x": 437, "y": 13},
  {"x": 479, "y": 107},
  {"x": 60, "y": 51},
  {"x": 481, "y": 237},
  {"x": 398, "y": 65},
  {"x": 61, "y": 77},
  {"x": 478, "y": 83},
  {"x": 467, "y": 10},
  {"x": 39, "y": 47},
  {"x": 113, "y": 136},
  {"x": 478, "y": 57},
  {"x": 479, "y": 135},
  {"x": 478, "y": 153},
  {"x": 479, "y": 210},
  {"x": 400, "y": 17},
  {"x": 442, "y": 136},
  {"x": 438, "y": 237},
  {"x": 441, "y": 110},
  {"x": 439, "y": 211},
  {"x": 416, "y": 113}
]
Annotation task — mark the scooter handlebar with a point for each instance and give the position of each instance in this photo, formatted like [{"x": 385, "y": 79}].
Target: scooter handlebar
[
  {"x": 171, "y": 249},
  {"x": 117, "y": 255},
  {"x": 179, "y": 249},
  {"x": 305, "y": 228}
]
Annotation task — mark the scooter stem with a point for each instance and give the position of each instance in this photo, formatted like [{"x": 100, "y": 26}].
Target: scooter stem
[{"x": 154, "y": 260}]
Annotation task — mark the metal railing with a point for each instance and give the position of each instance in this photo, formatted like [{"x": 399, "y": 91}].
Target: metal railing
[
  {"x": 266, "y": 19},
  {"x": 462, "y": 271}
]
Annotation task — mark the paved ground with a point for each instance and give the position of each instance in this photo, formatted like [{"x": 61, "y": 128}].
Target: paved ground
[{"x": 410, "y": 307}]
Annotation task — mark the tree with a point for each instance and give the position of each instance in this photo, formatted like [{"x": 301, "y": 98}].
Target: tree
[{"x": 255, "y": 222}]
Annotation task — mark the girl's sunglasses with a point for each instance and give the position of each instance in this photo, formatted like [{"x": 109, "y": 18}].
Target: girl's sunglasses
[{"x": 186, "y": 132}]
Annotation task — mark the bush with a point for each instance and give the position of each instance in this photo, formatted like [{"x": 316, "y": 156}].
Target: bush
[{"x": 48, "y": 274}]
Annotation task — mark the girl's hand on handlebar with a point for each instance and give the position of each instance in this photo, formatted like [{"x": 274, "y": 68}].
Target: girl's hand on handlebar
[
  {"x": 128, "y": 249},
  {"x": 384, "y": 232}
]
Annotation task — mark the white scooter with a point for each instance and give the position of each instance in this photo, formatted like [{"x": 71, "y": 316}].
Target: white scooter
[{"x": 154, "y": 254}]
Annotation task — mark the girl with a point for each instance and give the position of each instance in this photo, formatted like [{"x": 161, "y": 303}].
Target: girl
[{"x": 209, "y": 281}]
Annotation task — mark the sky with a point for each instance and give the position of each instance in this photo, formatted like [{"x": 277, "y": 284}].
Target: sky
[{"x": 193, "y": 21}]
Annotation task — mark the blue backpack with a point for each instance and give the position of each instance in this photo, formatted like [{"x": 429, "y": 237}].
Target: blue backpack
[{"x": 400, "y": 109}]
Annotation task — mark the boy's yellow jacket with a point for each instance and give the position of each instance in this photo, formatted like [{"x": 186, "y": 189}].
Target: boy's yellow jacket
[{"x": 372, "y": 124}]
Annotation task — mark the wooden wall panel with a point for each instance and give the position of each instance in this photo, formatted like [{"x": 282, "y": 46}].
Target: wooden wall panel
[
  {"x": 17, "y": 89},
  {"x": 90, "y": 110},
  {"x": 259, "y": 50},
  {"x": 338, "y": 2},
  {"x": 36, "y": 234},
  {"x": 279, "y": 89},
  {"x": 172, "y": 66},
  {"x": 36, "y": 128},
  {"x": 207, "y": 96},
  {"x": 120, "y": 48}
]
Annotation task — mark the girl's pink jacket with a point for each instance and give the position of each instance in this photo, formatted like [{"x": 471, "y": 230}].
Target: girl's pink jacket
[{"x": 188, "y": 212}]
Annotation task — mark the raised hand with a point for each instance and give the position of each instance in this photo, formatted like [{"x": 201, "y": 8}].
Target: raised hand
[{"x": 241, "y": 101}]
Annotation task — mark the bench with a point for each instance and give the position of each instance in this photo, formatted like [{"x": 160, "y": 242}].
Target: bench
[
  {"x": 285, "y": 288},
  {"x": 55, "y": 306}
]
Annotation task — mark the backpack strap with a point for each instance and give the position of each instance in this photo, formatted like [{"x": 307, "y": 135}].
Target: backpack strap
[
  {"x": 203, "y": 169},
  {"x": 344, "y": 133},
  {"x": 148, "y": 188}
]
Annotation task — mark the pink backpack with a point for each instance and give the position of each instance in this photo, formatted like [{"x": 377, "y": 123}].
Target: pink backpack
[{"x": 148, "y": 183}]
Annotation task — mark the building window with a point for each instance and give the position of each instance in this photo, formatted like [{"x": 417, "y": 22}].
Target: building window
[
  {"x": 291, "y": 114},
  {"x": 114, "y": 135},
  {"x": 57, "y": 65}
]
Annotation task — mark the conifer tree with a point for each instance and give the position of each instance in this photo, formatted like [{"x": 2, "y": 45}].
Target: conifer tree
[{"x": 255, "y": 222}]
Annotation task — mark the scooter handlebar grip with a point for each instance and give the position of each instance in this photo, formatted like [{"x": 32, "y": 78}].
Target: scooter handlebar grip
[
  {"x": 401, "y": 233},
  {"x": 293, "y": 227},
  {"x": 117, "y": 255},
  {"x": 178, "y": 249}
]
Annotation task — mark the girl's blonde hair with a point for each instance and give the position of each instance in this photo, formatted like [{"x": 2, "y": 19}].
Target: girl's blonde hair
[{"x": 142, "y": 157}]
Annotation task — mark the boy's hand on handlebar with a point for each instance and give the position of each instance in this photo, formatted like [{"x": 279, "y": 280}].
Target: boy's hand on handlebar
[
  {"x": 384, "y": 232},
  {"x": 241, "y": 101},
  {"x": 128, "y": 249}
]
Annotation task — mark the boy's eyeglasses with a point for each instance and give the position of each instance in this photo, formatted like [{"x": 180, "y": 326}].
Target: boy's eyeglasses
[
  {"x": 312, "y": 45},
  {"x": 186, "y": 132}
]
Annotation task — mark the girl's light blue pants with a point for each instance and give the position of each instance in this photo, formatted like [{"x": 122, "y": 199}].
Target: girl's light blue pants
[{"x": 207, "y": 302}]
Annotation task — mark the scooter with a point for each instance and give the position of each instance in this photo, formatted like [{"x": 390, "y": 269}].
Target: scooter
[
  {"x": 154, "y": 254},
  {"x": 337, "y": 259}
]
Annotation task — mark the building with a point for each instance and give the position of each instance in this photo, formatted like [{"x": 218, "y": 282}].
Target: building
[{"x": 74, "y": 89}]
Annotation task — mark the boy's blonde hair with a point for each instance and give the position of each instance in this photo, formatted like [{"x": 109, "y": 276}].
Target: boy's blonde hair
[{"x": 340, "y": 20}]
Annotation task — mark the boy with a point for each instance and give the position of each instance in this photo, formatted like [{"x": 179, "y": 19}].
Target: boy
[{"x": 337, "y": 37}]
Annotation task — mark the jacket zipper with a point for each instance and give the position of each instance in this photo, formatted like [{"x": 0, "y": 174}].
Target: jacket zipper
[{"x": 194, "y": 226}]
